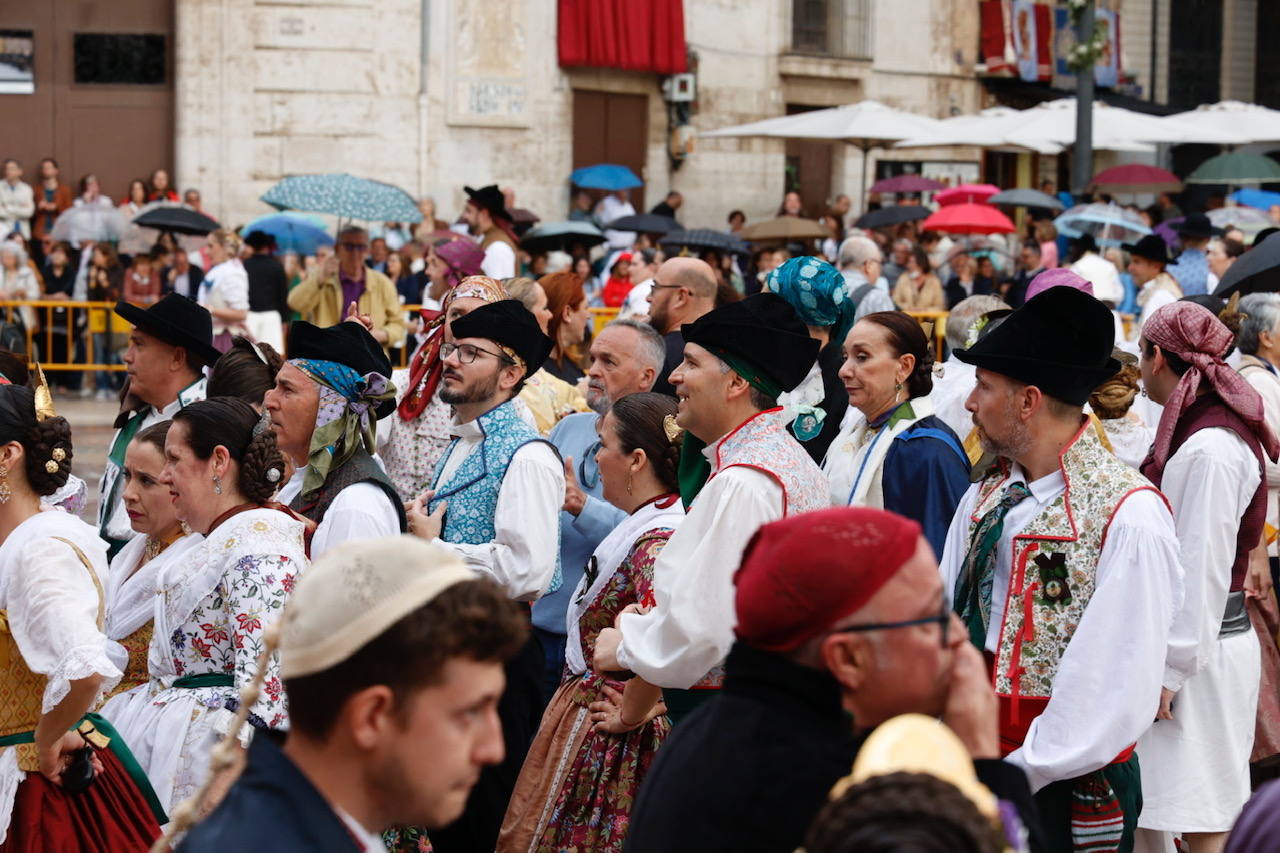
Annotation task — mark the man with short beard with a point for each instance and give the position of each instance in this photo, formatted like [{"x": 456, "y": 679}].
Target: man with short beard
[
  {"x": 683, "y": 290},
  {"x": 1064, "y": 567},
  {"x": 625, "y": 359},
  {"x": 495, "y": 502}
]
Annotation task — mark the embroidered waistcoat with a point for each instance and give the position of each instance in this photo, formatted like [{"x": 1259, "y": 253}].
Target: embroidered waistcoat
[
  {"x": 763, "y": 443},
  {"x": 1052, "y": 575},
  {"x": 472, "y": 491},
  {"x": 360, "y": 468}
]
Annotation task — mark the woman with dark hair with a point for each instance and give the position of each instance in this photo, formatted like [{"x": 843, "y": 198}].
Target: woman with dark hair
[
  {"x": 222, "y": 468},
  {"x": 548, "y": 398},
  {"x": 247, "y": 370},
  {"x": 599, "y": 734},
  {"x": 895, "y": 454},
  {"x": 161, "y": 190},
  {"x": 131, "y": 591},
  {"x": 568, "y": 327},
  {"x": 918, "y": 289},
  {"x": 59, "y": 789}
]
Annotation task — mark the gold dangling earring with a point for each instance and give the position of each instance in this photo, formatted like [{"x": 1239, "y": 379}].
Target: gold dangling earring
[
  {"x": 628, "y": 482},
  {"x": 217, "y": 484},
  {"x": 5, "y": 492},
  {"x": 897, "y": 392}
]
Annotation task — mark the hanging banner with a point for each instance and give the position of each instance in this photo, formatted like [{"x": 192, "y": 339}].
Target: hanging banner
[
  {"x": 1024, "y": 40},
  {"x": 1106, "y": 71}
]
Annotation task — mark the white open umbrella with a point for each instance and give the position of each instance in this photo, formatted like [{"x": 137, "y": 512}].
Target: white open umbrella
[
  {"x": 1249, "y": 122},
  {"x": 1114, "y": 128},
  {"x": 867, "y": 125},
  {"x": 988, "y": 129}
]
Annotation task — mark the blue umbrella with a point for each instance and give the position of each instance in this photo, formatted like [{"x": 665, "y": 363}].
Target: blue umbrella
[
  {"x": 1110, "y": 224},
  {"x": 293, "y": 232},
  {"x": 1261, "y": 199},
  {"x": 344, "y": 195},
  {"x": 605, "y": 176}
]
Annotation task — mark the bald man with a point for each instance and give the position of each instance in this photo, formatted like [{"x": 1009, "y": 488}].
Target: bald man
[{"x": 683, "y": 290}]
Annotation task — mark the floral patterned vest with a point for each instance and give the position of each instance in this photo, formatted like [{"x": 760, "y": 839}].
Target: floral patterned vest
[
  {"x": 762, "y": 442},
  {"x": 1053, "y": 571},
  {"x": 472, "y": 491}
]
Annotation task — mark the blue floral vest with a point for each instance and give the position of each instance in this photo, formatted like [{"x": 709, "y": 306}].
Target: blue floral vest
[{"x": 472, "y": 492}]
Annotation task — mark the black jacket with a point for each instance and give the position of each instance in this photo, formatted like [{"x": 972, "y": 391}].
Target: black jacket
[
  {"x": 750, "y": 769},
  {"x": 674, "y": 343},
  {"x": 272, "y": 806},
  {"x": 268, "y": 284}
]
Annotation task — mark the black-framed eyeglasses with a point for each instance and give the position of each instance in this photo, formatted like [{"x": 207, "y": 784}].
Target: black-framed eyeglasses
[
  {"x": 656, "y": 286},
  {"x": 467, "y": 353},
  {"x": 943, "y": 619},
  {"x": 354, "y": 247}
]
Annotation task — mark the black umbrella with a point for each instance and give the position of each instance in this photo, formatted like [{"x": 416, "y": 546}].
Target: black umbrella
[
  {"x": 1024, "y": 197},
  {"x": 1256, "y": 271},
  {"x": 560, "y": 236},
  {"x": 647, "y": 223},
  {"x": 704, "y": 238},
  {"x": 887, "y": 216},
  {"x": 179, "y": 220}
]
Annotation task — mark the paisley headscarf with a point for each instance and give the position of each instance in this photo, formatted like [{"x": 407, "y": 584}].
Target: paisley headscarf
[
  {"x": 1200, "y": 339},
  {"x": 345, "y": 419},
  {"x": 426, "y": 366},
  {"x": 817, "y": 291}
]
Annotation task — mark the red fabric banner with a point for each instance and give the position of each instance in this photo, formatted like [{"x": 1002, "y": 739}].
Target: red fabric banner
[
  {"x": 633, "y": 35},
  {"x": 1044, "y": 43},
  {"x": 995, "y": 37}
]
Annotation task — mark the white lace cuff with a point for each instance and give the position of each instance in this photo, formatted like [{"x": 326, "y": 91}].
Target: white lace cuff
[
  {"x": 80, "y": 662},
  {"x": 222, "y": 720}
]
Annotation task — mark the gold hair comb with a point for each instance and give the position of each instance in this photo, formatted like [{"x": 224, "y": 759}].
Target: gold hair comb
[{"x": 44, "y": 399}]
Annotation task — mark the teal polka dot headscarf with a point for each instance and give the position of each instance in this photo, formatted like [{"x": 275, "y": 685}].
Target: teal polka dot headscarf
[{"x": 817, "y": 291}]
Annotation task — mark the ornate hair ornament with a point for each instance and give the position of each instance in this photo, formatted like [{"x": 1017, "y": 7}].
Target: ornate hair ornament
[
  {"x": 672, "y": 429},
  {"x": 44, "y": 399},
  {"x": 263, "y": 424},
  {"x": 273, "y": 475}
]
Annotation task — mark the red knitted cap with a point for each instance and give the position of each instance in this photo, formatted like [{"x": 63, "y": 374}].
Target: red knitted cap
[{"x": 802, "y": 574}]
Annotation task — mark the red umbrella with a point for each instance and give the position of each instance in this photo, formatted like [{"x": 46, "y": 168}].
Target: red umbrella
[
  {"x": 907, "y": 184},
  {"x": 966, "y": 193},
  {"x": 968, "y": 219},
  {"x": 1137, "y": 178}
]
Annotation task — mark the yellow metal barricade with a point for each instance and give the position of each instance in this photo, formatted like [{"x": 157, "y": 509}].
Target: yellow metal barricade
[{"x": 61, "y": 333}]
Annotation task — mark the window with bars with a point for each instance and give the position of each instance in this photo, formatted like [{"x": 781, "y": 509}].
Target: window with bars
[{"x": 838, "y": 28}]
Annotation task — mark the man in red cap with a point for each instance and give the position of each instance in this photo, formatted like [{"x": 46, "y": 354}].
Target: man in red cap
[
  {"x": 1063, "y": 565},
  {"x": 841, "y": 614}
]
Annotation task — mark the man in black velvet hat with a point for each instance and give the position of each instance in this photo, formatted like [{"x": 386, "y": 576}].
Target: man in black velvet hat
[
  {"x": 324, "y": 411},
  {"x": 169, "y": 347},
  {"x": 1062, "y": 564},
  {"x": 739, "y": 469},
  {"x": 1148, "y": 259},
  {"x": 489, "y": 220},
  {"x": 496, "y": 501}
]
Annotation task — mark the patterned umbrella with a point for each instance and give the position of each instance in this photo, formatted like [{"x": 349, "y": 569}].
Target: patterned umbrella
[{"x": 344, "y": 195}]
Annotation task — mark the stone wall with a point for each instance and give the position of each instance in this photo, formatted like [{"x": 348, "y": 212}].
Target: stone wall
[{"x": 266, "y": 89}]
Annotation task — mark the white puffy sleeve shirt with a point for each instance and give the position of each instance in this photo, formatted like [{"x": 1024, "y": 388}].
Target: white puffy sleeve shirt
[
  {"x": 1107, "y": 689},
  {"x": 690, "y": 628},
  {"x": 526, "y": 542},
  {"x": 360, "y": 511}
]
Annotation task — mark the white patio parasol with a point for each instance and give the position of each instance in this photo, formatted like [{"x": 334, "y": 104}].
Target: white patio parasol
[
  {"x": 1249, "y": 122},
  {"x": 988, "y": 129}
]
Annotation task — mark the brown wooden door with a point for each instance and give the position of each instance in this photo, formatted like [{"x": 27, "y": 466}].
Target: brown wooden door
[
  {"x": 102, "y": 105},
  {"x": 609, "y": 127},
  {"x": 808, "y": 167}
]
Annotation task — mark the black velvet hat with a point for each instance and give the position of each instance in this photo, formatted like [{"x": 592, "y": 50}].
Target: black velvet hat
[
  {"x": 176, "y": 320},
  {"x": 491, "y": 199},
  {"x": 347, "y": 343},
  {"x": 762, "y": 330},
  {"x": 1152, "y": 247},
  {"x": 1196, "y": 225},
  {"x": 1060, "y": 341},
  {"x": 509, "y": 323}
]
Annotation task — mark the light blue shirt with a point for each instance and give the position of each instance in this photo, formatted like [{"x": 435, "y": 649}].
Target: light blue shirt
[
  {"x": 1192, "y": 272},
  {"x": 576, "y": 436}
]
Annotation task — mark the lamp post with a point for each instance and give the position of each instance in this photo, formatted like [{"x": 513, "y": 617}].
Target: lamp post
[{"x": 1082, "y": 152}]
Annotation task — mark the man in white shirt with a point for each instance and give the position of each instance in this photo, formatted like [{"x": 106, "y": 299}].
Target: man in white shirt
[
  {"x": 496, "y": 504},
  {"x": 1064, "y": 568},
  {"x": 1209, "y": 458},
  {"x": 489, "y": 222},
  {"x": 324, "y": 411},
  {"x": 169, "y": 347},
  {"x": 615, "y": 206},
  {"x": 862, "y": 265},
  {"x": 1156, "y": 288},
  {"x": 951, "y": 389},
  {"x": 17, "y": 201},
  {"x": 740, "y": 469}
]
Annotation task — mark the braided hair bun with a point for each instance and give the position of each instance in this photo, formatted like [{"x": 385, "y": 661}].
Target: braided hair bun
[
  {"x": 48, "y": 455},
  {"x": 234, "y": 424},
  {"x": 639, "y": 422}
]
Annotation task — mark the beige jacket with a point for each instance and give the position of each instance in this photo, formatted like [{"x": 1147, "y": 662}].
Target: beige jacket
[{"x": 318, "y": 298}]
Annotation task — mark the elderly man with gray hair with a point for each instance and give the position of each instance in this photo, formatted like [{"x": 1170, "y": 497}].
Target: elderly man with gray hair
[
  {"x": 626, "y": 358},
  {"x": 951, "y": 389},
  {"x": 1259, "y": 345},
  {"x": 862, "y": 265}
]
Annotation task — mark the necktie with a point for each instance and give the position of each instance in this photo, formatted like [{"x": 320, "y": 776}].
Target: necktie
[{"x": 972, "y": 599}]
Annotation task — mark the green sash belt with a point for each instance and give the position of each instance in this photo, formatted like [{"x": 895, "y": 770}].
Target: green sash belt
[
  {"x": 118, "y": 748},
  {"x": 205, "y": 679}
]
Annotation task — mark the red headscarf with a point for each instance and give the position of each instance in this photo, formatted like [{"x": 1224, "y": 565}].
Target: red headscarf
[
  {"x": 1193, "y": 334},
  {"x": 426, "y": 366}
]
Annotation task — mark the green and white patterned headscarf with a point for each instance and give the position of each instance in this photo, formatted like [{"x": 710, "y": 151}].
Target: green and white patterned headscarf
[{"x": 345, "y": 418}]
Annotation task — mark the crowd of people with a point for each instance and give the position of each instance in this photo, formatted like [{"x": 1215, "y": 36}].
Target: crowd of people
[{"x": 750, "y": 567}]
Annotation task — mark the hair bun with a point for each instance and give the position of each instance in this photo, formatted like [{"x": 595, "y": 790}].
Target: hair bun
[{"x": 48, "y": 455}]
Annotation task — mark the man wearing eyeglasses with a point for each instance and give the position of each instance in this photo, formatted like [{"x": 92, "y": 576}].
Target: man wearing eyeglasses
[
  {"x": 1063, "y": 563},
  {"x": 683, "y": 290},
  {"x": 496, "y": 501},
  {"x": 343, "y": 286},
  {"x": 842, "y": 624}
]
